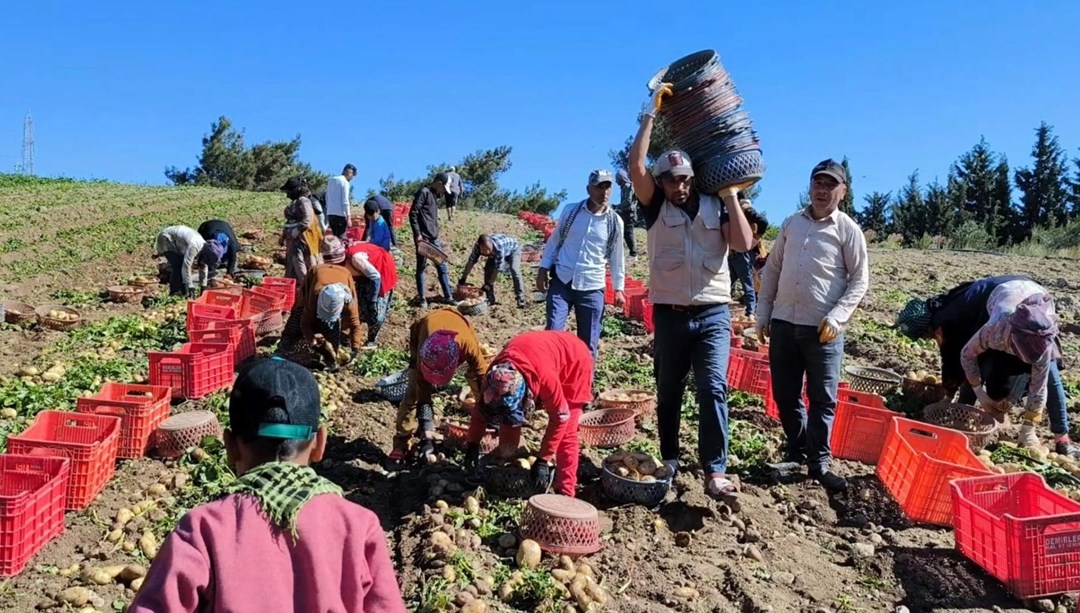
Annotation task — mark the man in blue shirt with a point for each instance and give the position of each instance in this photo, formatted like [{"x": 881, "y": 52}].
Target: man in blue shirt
[
  {"x": 587, "y": 237},
  {"x": 384, "y": 208}
]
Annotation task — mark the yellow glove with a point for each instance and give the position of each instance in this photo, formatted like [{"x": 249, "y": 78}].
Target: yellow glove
[
  {"x": 658, "y": 96},
  {"x": 828, "y": 331}
]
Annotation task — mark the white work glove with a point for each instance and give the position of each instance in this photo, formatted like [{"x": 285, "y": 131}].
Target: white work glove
[{"x": 985, "y": 401}]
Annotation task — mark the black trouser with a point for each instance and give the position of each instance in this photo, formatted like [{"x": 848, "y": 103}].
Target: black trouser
[
  {"x": 388, "y": 216},
  {"x": 628, "y": 216},
  {"x": 338, "y": 225}
]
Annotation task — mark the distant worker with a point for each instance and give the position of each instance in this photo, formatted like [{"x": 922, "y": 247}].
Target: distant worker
[
  {"x": 454, "y": 188},
  {"x": 338, "y": 212},
  {"x": 221, "y": 232},
  {"x": 183, "y": 249},
  {"x": 741, "y": 264},
  {"x": 587, "y": 239},
  {"x": 424, "y": 220},
  {"x": 815, "y": 278},
  {"x": 279, "y": 533},
  {"x": 376, "y": 230},
  {"x": 502, "y": 253},
  {"x": 375, "y": 274},
  {"x": 627, "y": 210},
  {"x": 384, "y": 209},
  {"x": 548, "y": 369},
  {"x": 302, "y": 234},
  {"x": 996, "y": 334}
]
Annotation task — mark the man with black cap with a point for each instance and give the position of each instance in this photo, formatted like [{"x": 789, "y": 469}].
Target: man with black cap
[
  {"x": 813, "y": 281},
  {"x": 587, "y": 239},
  {"x": 266, "y": 541},
  {"x": 424, "y": 221}
]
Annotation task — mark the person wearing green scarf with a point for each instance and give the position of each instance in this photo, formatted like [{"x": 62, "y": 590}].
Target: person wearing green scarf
[{"x": 281, "y": 533}]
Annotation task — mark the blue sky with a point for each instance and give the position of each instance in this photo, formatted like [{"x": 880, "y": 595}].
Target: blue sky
[{"x": 123, "y": 89}]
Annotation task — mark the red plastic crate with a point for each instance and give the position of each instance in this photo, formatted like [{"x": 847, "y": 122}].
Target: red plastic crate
[
  {"x": 866, "y": 399},
  {"x": 759, "y": 379},
  {"x": 739, "y": 378},
  {"x": 287, "y": 286},
  {"x": 647, "y": 317},
  {"x": 242, "y": 335},
  {"x": 200, "y": 315},
  {"x": 217, "y": 297},
  {"x": 1020, "y": 531},
  {"x": 32, "y": 493},
  {"x": 609, "y": 291},
  {"x": 88, "y": 441},
  {"x": 194, "y": 371},
  {"x": 258, "y": 301},
  {"x": 355, "y": 233},
  {"x": 917, "y": 463},
  {"x": 141, "y": 408},
  {"x": 634, "y": 296},
  {"x": 859, "y": 432}
]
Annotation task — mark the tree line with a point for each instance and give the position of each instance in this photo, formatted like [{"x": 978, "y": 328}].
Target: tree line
[
  {"x": 975, "y": 206},
  {"x": 226, "y": 161}
]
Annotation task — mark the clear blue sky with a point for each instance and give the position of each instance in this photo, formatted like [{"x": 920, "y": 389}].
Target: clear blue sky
[{"x": 119, "y": 90}]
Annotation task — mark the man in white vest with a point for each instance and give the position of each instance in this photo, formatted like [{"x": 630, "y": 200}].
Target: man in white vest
[
  {"x": 689, "y": 236},
  {"x": 814, "y": 279},
  {"x": 587, "y": 239}
]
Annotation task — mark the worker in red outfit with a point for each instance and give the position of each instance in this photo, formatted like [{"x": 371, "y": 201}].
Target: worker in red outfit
[{"x": 552, "y": 369}]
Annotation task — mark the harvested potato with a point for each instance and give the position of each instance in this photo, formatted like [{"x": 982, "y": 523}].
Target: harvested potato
[
  {"x": 528, "y": 554},
  {"x": 148, "y": 545}
]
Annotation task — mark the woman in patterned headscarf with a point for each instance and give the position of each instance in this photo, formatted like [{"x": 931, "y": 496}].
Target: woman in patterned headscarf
[
  {"x": 302, "y": 232},
  {"x": 549, "y": 368}
]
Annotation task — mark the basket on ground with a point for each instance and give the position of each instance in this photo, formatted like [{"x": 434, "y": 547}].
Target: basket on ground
[
  {"x": 181, "y": 432},
  {"x": 631, "y": 491},
  {"x": 58, "y": 317},
  {"x": 465, "y": 292},
  {"x": 509, "y": 480},
  {"x": 125, "y": 293},
  {"x": 927, "y": 393},
  {"x": 873, "y": 380},
  {"x": 976, "y": 424},
  {"x": 18, "y": 312},
  {"x": 455, "y": 436},
  {"x": 393, "y": 386},
  {"x": 561, "y": 525},
  {"x": 89, "y": 441},
  {"x": 607, "y": 427},
  {"x": 917, "y": 463},
  {"x": 141, "y": 409},
  {"x": 473, "y": 307},
  {"x": 642, "y": 402},
  {"x": 859, "y": 432},
  {"x": 1021, "y": 531},
  {"x": 32, "y": 493}
]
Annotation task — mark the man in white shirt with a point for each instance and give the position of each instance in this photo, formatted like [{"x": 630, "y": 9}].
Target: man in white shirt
[
  {"x": 337, "y": 201},
  {"x": 813, "y": 281},
  {"x": 454, "y": 188},
  {"x": 587, "y": 238}
]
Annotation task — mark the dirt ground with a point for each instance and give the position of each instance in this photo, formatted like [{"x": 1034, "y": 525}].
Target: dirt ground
[{"x": 791, "y": 547}]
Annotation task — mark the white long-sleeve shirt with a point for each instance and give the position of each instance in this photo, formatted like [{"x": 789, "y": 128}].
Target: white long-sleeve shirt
[
  {"x": 188, "y": 243},
  {"x": 582, "y": 260},
  {"x": 818, "y": 268},
  {"x": 337, "y": 197}
]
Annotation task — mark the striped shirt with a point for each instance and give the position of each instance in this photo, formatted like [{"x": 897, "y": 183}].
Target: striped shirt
[{"x": 502, "y": 247}]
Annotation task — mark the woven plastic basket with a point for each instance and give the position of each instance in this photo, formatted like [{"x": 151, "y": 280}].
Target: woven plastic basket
[
  {"x": 928, "y": 393},
  {"x": 561, "y": 525},
  {"x": 454, "y": 436},
  {"x": 976, "y": 424},
  {"x": 478, "y": 308},
  {"x": 125, "y": 293},
  {"x": 643, "y": 408},
  {"x": 53, "y": 323},
  {"x": 393, "y": 386},
  {"x": 873, "y": 380},
  {"x": 18, "y": 312},
  {"x": 465, "y": 292},
  {"x": 432, "y": 252},
  {"x": 607, "y": 427},
  {"x": 508, "y": 481},
  {"x": 180, "y": 432},
  {"x": 630, "y": 491}
]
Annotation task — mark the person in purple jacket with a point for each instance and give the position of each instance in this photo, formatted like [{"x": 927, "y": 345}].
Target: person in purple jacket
[{"x": 282, "y": 537}]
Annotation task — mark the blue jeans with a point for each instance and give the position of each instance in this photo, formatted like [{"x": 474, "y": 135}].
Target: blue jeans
[
  {"x": 741, "y": 267},
  {"x": 588, "y": 311},
  {"x": 444, "y": 275},
  {"x": 176, "y": 273},
  {"x": 1013, "y": 374},
  {"x": 702, "y": 340},
  {"x": 795, "y": 351}
]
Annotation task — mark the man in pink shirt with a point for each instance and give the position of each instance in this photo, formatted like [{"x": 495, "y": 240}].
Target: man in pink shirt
[{"x": 283, "y": 538}]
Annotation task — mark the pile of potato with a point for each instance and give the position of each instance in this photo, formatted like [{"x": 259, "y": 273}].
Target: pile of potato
[
  {"x": 62, "y": 315},
  {"x": 1063, "y": 462},
  {"x": 471, "y": 302},
  {"x": 923, "y": 377},
  {"x": 140, "y": 280},
  {"x": 625, "y": 397},
  {"x": 637, "y": 466},
  {"x": 254, "y": 261}
]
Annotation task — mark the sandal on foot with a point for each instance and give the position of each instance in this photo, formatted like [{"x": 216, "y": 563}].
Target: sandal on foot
[{"x": 722, "y": 489}]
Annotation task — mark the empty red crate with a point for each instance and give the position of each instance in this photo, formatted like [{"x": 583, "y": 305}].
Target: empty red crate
[
  {"x": 287, "y": 286},
  {"x": 759, "y": 379},
  {"x": 772, "y": 409},
  {"x": 741, "y": 363},
  {"x": 865, "y": 399},
  {"x": 859, "y": 432},
  {"x": 634, "y": 299},
  {"x": 258, "y": 300},
  {"x": 609, "y": 291},
  {"x": 243, "y": 335},
  {"x": 141, "y": 408},
  {"x": 1020, "y": 531},
  {"x": 199, "y": 315},
  {"x": 647, "y": 317},
  {"x": 32, "y": 494},
  {"x": 88, "y": 441},
  {"x": 217, "y": 297},
  {"x": 193, "y": 371},
  {"x": 917, "y": 463}
]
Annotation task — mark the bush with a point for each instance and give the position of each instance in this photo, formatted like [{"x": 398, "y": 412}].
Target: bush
[
  {"x": 870, "y": 236},
  {"x": 971, "y": 235},
  {"x": 924, "y": 242},
  {"x": 771, "y": 233},
  {"x": 894, "y": 241}
]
